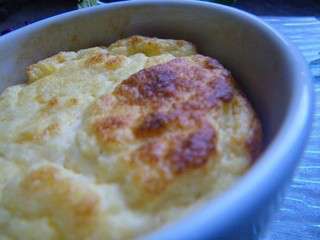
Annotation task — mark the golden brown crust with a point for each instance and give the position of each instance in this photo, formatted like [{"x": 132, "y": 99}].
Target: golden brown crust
[
  {"x": 166, "y": 109},
  {"x": 152, "y": 125},
  {"x": 176, "y": 80},
  {"x": 151, "y": 46},
  {"x": 193, "y": 151},
  {"x": 106, "y": 129},
  {"x": 168, "y": 157},
  {"x": 95, "y": 59},
  {"x": 111, "y": 62}
]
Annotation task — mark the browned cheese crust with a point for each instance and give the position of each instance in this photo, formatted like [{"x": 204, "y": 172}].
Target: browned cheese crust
[{"x": 169, "y": 110}]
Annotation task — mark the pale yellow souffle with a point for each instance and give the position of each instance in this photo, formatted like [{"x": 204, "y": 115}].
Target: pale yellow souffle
[{"x": 113, "y": 142}]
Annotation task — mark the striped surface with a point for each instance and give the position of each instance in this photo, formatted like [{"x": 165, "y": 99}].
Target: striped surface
[{"x": 299, "y": 215}]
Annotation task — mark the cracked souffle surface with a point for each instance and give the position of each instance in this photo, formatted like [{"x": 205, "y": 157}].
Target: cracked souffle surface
[{"x": 113, "y": 142}]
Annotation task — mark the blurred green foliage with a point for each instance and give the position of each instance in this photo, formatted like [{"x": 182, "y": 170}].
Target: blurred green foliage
[
  {"x": 86, "y": 3},
  {"x": 89, "y": 3}
]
